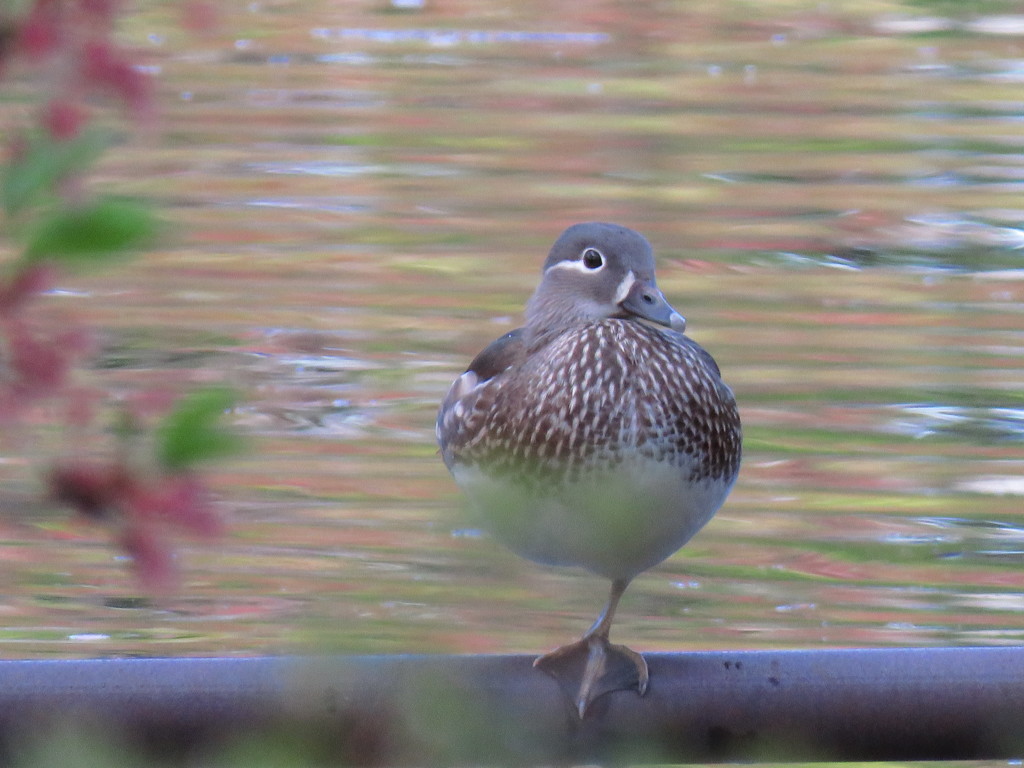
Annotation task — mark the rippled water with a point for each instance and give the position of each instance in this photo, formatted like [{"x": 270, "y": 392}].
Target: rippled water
[{"x": 360, "y": 199}]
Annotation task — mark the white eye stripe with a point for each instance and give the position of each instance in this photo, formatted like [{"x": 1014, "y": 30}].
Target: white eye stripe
[
  {"x": 575, "y": 265},
  {"x": 624, "y": 287}
]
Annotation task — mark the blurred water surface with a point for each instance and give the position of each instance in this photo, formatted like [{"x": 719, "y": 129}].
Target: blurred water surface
[{"x": 360, "y": 198}]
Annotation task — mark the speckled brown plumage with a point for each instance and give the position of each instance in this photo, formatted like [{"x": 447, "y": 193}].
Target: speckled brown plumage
[
  {"x": 597, "y": 435},
  {"x": 590, "y": 397}
]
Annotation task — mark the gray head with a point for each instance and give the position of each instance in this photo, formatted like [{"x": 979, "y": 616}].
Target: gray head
[{"x": 596, "y": 271}]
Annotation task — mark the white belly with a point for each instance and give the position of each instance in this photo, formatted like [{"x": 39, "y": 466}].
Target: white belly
[{"x": 616, "y": 525}]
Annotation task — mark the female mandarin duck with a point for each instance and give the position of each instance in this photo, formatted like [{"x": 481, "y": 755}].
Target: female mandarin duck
[{"x": 597, "y": 435}]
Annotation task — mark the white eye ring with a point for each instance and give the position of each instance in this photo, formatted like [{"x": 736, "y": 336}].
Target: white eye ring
[{"x": 592, "y": 259}]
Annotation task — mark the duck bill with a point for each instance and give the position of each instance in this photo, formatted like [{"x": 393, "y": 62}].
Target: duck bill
[{"x": 645, "y": 301}]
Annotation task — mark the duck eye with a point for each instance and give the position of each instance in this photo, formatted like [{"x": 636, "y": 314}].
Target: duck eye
[{"x": 592, "y": 259}]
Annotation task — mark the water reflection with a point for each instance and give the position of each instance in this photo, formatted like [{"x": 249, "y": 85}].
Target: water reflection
[
  {"x": 453, "y": 36},
  {"x": 966, "y": 423},
  {"x": 361, "y": 200}
]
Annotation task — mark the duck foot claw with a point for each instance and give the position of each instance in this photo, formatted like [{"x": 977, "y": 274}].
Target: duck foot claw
[{"x": 592, "y": 667}]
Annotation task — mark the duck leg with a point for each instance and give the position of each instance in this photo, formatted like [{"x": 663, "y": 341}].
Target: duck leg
[{"x": 593, "y": 666}]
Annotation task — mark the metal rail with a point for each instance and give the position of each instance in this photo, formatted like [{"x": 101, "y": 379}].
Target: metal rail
[{"x": 884, "y": 704}]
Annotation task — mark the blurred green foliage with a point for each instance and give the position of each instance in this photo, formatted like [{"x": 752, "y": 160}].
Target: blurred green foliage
[
  {"x": 192, "y": 432},
  {"x": 42, "y": 162},
  {"x": 81, "y": 236}
]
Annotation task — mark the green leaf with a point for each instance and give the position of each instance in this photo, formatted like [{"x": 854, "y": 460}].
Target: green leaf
[
  {"x": 44, "y": 162},
  {"x": 192, "y": 433},
  {"x": 96, "y": 232}
]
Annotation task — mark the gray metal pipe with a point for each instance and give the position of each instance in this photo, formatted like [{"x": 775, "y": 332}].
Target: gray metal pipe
[{"x": 884, "y": 704}]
